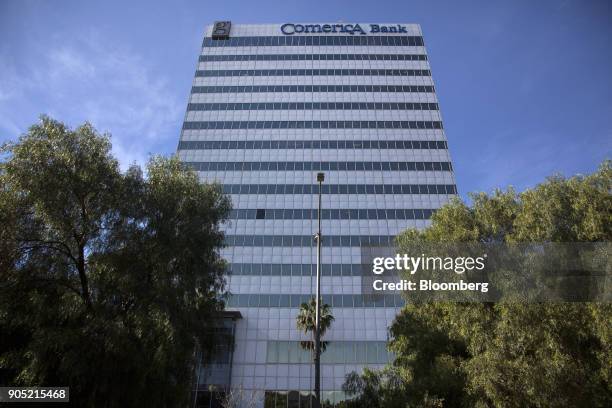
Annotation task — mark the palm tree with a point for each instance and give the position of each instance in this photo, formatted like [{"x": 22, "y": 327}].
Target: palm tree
[{"x": 306, "y": 321}]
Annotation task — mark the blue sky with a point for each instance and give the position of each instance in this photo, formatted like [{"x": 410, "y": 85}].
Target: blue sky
[{"x": 524, "y": 86}]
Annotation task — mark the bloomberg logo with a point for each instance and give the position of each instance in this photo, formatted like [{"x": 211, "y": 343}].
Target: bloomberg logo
[{"x": 352, "y": 29}]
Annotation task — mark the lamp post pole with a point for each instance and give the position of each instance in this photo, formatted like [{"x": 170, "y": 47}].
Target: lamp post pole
[{"x": 317, "y": 332}]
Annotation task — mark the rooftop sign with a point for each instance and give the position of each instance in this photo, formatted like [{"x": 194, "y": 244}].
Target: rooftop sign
[
  {"x": 221, "y": 30},
  {"x": 352, "y": 29}
]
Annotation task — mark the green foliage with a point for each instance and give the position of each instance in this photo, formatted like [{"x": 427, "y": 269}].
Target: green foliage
[
  {"x": 109, "y": 281},
  {"x": 382, "y": 389},
  {"x": 306, "y": 321},
  {"x": 509, "y": 354}
]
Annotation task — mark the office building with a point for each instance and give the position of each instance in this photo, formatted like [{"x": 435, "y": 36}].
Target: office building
[{"x": 271, "y": 105}]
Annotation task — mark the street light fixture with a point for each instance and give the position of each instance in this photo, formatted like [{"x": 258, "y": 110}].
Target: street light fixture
[{"x": 317, "y": 333}]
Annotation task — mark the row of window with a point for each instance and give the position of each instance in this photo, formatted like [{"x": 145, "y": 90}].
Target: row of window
[
  {"x": 266, "y": 269},
  {"x": 310, "y": 144},
  {"x": 217, "y": 397},
  {"x": 312, "y": 88},
  {"x": 301, "y": 399},
  {"x": 315, "y": 57},
  {"x": 312, "y": 106},
  {"x": 294, "y": 40},
  {"x": 311, "y": 72},
  {"x": 315, "y": 124},
  {"x": 319, "y": 166},
  {"x": 336, "y": 352},
  {"x": 307, "y": 240},
  {"x": 294, "y": 301},
  {"x": 331, "y": 214},
  {"x": 339, "y": 189}
]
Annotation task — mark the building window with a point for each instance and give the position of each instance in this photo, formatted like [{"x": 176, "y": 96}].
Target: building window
[
  {"x": 318, "y": 166},
  {"x": 314, "y": 57},
  {"x": 294, "y": 300},
  {"x": 312, "y": 88},
  {"x": 300, "y": 124},
  {"x": 448, "y": 189},
  {"x": 312, "y": 72},
  {"x": 294, "y": 40}
]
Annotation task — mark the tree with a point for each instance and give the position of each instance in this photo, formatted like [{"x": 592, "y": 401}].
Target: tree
[
  {"x": 373, "y": 389},
  {"x": 238, "y": 397},
  {"x": 511, "y": 354},
  {"x": 306, "y": 321},
  {"x": 109, "y": 280}
]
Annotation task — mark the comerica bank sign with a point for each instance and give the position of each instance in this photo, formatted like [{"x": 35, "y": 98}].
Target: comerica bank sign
[{"x": 352, "y": 29}]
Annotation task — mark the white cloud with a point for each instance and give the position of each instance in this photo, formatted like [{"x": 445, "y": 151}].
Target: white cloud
[
  {"x": 67, "y": 61},
  {"x": 78, "y": 79}
]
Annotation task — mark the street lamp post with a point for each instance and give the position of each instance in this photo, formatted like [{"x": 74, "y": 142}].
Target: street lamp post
[{"x": 317, "y": 333}]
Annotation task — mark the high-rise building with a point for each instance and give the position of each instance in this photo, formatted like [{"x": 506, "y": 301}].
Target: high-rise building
[{"x": 271, "y": 105}]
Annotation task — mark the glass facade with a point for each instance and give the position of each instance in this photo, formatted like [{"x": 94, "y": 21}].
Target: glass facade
[
  {"x": 266, "y": 112},
  {"x": 310, "y": 88},
  {"x": 314, "y": 57}
]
